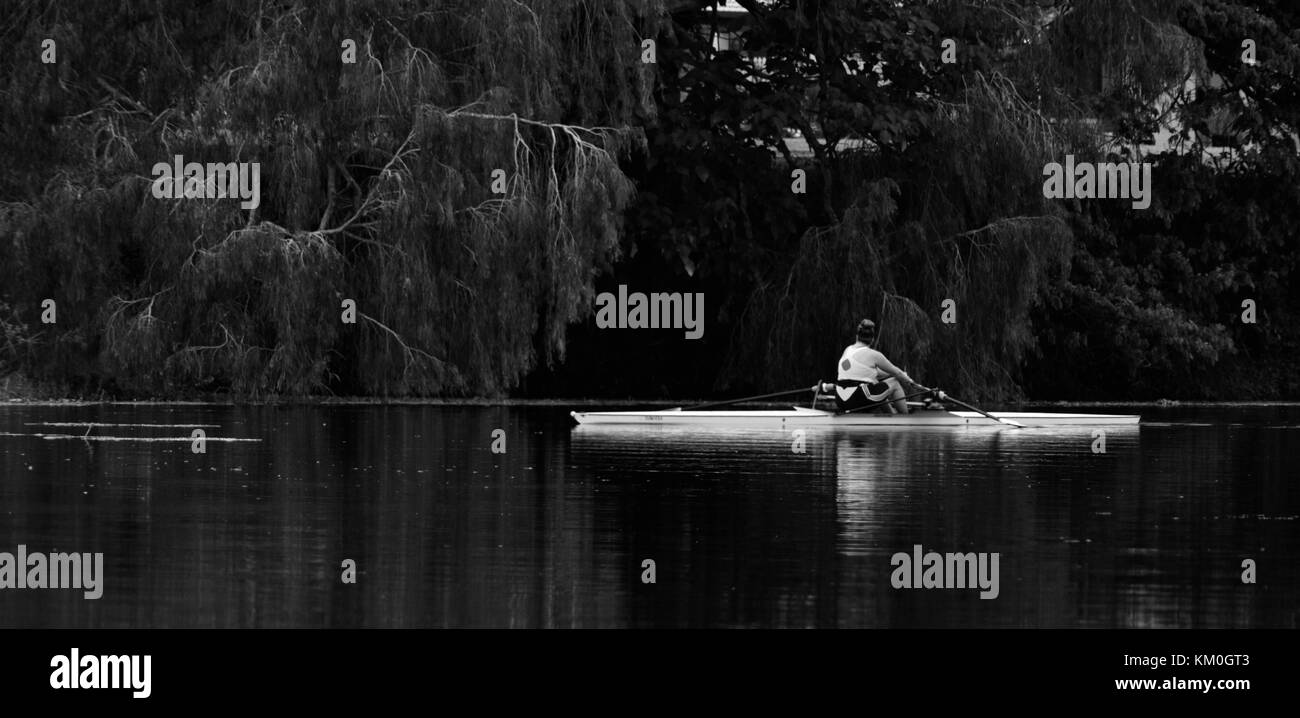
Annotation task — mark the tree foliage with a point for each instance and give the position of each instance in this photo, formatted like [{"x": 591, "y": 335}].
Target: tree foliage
[
  {"x": 923, "y": 192},
  {"x": 376, "y": 187}
]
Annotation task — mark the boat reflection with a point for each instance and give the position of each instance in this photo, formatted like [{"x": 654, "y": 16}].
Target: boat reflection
[
  {"x": 862, "y": 496},
  {"x": 794, "y": 440}
]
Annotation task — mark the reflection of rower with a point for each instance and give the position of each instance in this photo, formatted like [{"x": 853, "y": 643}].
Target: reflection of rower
[{"x": 866, "y": 377}]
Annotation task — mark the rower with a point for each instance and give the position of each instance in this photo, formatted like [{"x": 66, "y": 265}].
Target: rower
[{"x": 866, "y": 377}]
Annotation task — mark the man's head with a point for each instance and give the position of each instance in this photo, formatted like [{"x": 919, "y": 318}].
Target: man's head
[{"x": 866, "y": 331}]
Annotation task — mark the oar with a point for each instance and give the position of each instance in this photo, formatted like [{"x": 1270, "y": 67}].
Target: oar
[
  {"x": 752, "y": 398},
  {"x": 976, "y": 409}
]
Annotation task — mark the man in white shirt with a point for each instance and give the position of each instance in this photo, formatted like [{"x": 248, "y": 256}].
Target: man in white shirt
[{"x": 866, "y": 377}]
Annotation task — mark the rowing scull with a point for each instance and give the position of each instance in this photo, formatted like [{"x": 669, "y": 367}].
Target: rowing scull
[{"x": 801, "y": 416}]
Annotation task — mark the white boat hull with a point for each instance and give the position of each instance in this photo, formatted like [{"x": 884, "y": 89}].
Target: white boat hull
[{"x": 799, "y": 416}]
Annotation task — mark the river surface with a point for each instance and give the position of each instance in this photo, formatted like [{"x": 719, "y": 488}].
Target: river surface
[{"x": 744, "y": 528}]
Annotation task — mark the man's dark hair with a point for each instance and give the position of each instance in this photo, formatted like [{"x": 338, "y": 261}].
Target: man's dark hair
[{"x": 866, "y": 331}]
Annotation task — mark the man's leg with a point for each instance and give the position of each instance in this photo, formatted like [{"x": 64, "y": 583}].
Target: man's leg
[{"x": 898, "y": 397}]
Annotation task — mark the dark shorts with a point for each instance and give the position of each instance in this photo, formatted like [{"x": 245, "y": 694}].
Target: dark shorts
[{"x": 864, "y": 395}]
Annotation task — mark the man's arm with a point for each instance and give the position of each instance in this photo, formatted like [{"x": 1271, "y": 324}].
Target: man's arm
[{"x": 888, "y": 367}]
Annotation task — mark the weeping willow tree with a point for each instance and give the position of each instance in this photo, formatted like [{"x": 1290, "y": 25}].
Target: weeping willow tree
[
  {"x": 458, "y": 181},
  {"x": 980, "y": 242},
  {"x": 950, "y": 245}
]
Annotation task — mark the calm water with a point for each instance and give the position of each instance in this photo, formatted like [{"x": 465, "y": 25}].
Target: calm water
[{"x": 743, "y": 530}]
